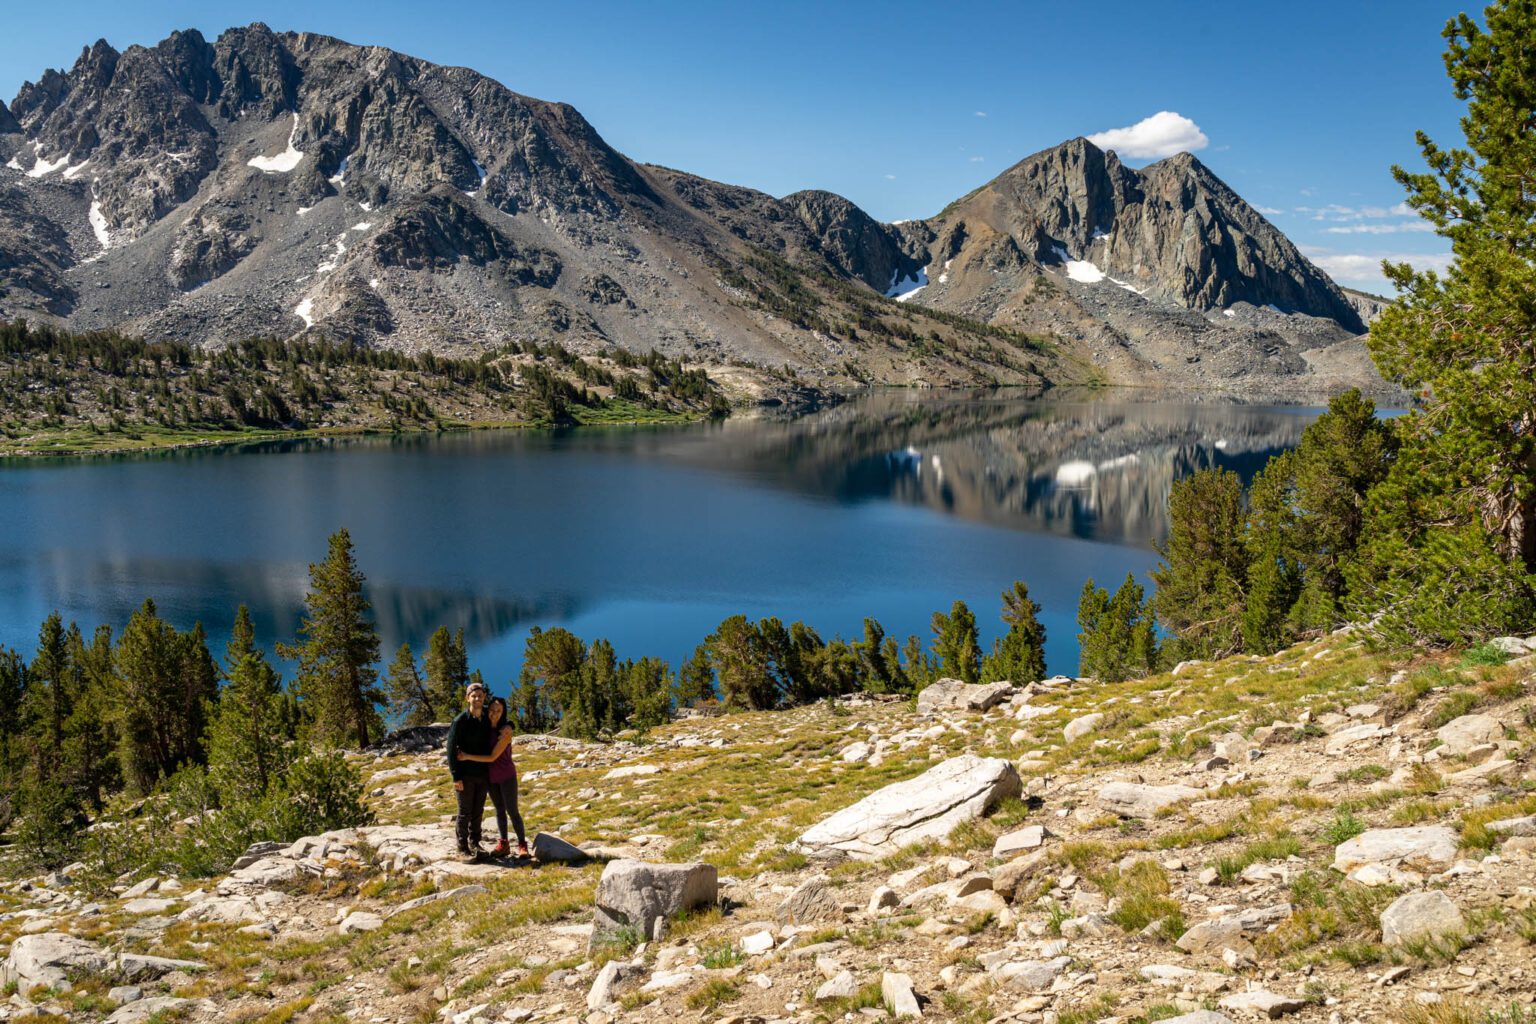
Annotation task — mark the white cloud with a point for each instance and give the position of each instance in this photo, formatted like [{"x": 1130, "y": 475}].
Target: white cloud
[
  {"x": 1363, "y": 270},
  {"x": 1269, "y": 211},
  {"x": 981, "y": 113},
  {"x": 1337, "y": 214},
  {"x": 890, "y": 177},
  {"x": 977, "y": 159},
  {"x": 1163, "y": 134},
  {"x": 1381, "y": 229}
]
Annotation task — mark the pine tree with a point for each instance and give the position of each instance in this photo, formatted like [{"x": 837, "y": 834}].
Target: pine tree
[
  {"x": 878, "y": 664},
  {"x": 409, "y": 701},
  {"x": 956, "y": 646},
  {"x": 696, "y": 679},
  {"x": 1200, "y": 584},
  {"x": 917, "y": 667},
  {"x": 339, "y": 646},
  {"x": 165, "y": 681},
  {"x": 447, "y": 674},
  {"x": 550, "y": 685},
  {"x": 1117, "y": 641},
  {"x": 249, "y": 741},
  {"x": 1449, "y": 548},
  {"x": 1019, "y": 655},
  {"x": 648, "y": 690},
  {"x": 740, "y": 661},
  {"x": 90, "y": 733}
]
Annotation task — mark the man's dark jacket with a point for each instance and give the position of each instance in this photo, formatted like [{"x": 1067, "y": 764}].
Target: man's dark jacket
[{"x": 473, "y": 736}]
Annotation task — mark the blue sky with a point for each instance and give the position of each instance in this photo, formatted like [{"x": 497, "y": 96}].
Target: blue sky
[{"x": 902, "y": 107}]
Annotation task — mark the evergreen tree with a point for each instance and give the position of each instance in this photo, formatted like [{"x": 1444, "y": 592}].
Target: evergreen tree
[
  {"x": 1200, "y": 584},
  {"x": 336, "y": 675},
  {"x": 165, "y": 681},
  {"x": 696, "y": 679},
  {"x": 550, "y": 684},
  {"x": 1449, "y": 541},
  {"x": 447, "y": 674},
  {"x": 249, "y": 746},
  {"x": 740, "y": 661},
  {"x": 917, "y": 667},
  {"x": 878, "y": 660},
  {"x": 648, "y": 691},
  {"x": 410, "y": 702},
  {"x": 90, "y": 764},
  {"x": 13, "y": 747},
  {"x": 1019, "y": 655},
  {"x": 49, "y": 698},
  {"x": 956, "y": 646},
  {"x": 1117, "y": 641}
]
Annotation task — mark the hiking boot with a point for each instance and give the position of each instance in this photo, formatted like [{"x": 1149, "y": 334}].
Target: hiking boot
[
  {"x": 500, "y": 849},
  {"x": 472, "y": 854},
  {"x": 522, "y": 849}
]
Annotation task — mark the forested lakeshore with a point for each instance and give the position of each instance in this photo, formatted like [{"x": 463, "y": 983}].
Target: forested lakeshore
[
  {"x": 63, "y": 393},
  {"x": 136, "y": 750}
]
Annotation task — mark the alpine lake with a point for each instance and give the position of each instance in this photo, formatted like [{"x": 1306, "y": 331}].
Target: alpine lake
[{"x": 891, "y": 505}]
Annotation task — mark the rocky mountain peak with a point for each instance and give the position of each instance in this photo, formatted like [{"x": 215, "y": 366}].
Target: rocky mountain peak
[{"x": 282, "y": 182}]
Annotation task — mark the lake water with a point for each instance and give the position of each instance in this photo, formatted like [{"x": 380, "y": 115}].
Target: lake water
[{"x": 892, "y": 505}]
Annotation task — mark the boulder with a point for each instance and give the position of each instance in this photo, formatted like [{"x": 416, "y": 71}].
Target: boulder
[
  {"x": 1199, "y": 1017},
  {"x": 896, "y": 991},
  {"x": 1014, "y": 843},
  {"x": 1262, "y": 1003},
  {"x": 1420, "y": 915},
  {"x": 1081, "y": 726},
  {"x": 360, "y": 921},
  {"x": 1215, "y": 936},
  {"x": 1460, "y": 735},
  {"x": 813, "y": 900},
  {"x": 636, "y": 894},
  {"x": 840, "y": 986},
  {"x": 1525, "y": 826},
  {"x": 155, "y": 1007},
  {"x": 1423, "y": 848},
  {"x": 954, "y": 695},
  {"x": 1031, "y": 975},
  {"x": 142, "y": 967},
  {"x": 547, "y": 848},
  {"x": 50, "y": 958},
  {"x": 148, "y": 905},
  {"x": 928, "y": 806},
  {"x": 1136, "y": 800},
  {"x": 605, "y": 985},
  {"x": 433, "y": 897}
]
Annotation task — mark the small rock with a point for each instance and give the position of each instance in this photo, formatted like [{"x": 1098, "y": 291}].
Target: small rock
[
  {"x": 813, "y": 900},
  {"x": 1082, "y": 726},
  {"x": 1263, "y": 1003},
  {"x": 360, "y": 921},
  {"x": 840, "y": 986},
  {"x": 1017, "y": 842},
  {"x": 884, "y": 897},
  {"x": 1417, "y": 915},
  {"x": 757, "y": 943},
  {"x": 896, "y": 991},
  {"x": 1136, "y": 800}
]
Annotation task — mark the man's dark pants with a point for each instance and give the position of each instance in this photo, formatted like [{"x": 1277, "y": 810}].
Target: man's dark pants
[{"x": 471, "y": 809}]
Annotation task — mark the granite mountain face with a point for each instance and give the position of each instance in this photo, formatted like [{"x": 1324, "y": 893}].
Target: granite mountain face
[{"x": 281, "y": 183}]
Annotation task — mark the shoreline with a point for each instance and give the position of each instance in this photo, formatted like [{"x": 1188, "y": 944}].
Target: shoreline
[{"x": 169, "y": 440}]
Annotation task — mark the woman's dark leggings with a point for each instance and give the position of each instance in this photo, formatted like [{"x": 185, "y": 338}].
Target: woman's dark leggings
[{"x": 504, "y": 796}]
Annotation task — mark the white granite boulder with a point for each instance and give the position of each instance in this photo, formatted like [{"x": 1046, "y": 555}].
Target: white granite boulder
[
  {"x": 954, "y": 695},
  {"x": 1137, "y": 800},
  {"x": 1385, "y": 854},
  {"x": 636, "y": 894},
  {"x": 1420, "y": 915},
  {"x": 928, "y": 806}
]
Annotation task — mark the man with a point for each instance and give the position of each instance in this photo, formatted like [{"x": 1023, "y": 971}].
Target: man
[{"x": 471, "y": 733}]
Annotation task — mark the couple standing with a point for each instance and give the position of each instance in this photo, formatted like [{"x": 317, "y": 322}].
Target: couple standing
[{"x": 479, "y": 751}]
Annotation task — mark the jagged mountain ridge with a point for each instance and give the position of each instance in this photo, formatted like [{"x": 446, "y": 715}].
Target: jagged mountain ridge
[{"x": 188, "y": 189}]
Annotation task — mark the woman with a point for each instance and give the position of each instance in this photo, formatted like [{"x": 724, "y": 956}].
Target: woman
[{"x": 503, "y": 777}]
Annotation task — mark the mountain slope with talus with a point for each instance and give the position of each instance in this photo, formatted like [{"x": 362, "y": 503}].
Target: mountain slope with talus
[{"x": 282, "y": 183}]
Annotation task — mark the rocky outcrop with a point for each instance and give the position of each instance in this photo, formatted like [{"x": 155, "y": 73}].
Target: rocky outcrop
[
  {"x": 1171, "y": 231},
  {"x": 928, "y": 806}
]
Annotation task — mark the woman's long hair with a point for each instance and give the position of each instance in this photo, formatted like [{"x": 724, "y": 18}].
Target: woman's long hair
[{"x": 500, "y": 702}]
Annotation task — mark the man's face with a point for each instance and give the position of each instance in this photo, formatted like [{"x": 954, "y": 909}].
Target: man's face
[{"x": 476, "y": 700}]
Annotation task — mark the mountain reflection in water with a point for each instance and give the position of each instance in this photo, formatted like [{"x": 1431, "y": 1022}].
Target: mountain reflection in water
[{"x": 892, "y": 504}]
